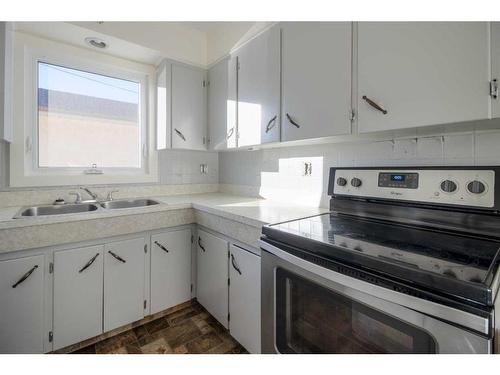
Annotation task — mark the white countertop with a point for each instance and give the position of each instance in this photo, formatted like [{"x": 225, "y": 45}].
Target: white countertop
[{"x": 248, "y": 210}]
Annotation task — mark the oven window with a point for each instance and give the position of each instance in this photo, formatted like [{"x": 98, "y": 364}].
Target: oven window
[{"x": 313, "y": 319}]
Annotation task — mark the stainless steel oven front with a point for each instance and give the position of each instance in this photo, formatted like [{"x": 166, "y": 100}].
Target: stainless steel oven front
[{"x": 307, "y": 308}]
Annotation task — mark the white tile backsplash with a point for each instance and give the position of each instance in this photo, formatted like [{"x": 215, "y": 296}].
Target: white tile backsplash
[
  {"x": 279, "y": 174},
  {"x": 459, "y": 146},
  {"x": 430, "y": 148},
  {"x": 487, "y": 147},
  {"x": 405, "y": 149}
]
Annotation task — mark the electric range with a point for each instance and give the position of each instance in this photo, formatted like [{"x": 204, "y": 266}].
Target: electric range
[{"x": 407, "y": 261}]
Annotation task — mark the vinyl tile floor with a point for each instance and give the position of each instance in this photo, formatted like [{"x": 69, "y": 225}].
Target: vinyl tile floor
[{"x": 190, "y": 330}]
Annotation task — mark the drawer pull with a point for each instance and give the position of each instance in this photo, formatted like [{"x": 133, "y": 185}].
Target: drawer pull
[
  {"x": 374, "y": 105},
  {"x": 233, "y": 262},
  {"x": 25, "y": 276},
  {"x": 117, "y": 257},
  {"x": 230, "y": 133},
  {"x": 271, "y": 124},
  {"x": 200, "y": 245},
  {"x": 89, "y": 263},
  {"x": 161, "y": 246},
  {"x": 292, "y": 121}
]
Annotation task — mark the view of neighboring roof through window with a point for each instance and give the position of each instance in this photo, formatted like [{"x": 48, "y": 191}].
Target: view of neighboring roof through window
[{"x": 87, "y": 118}]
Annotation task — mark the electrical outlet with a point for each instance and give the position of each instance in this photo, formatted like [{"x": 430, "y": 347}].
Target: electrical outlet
[
  {"x": 203, "y": 168},
  {"x": 307, "y": 168}
]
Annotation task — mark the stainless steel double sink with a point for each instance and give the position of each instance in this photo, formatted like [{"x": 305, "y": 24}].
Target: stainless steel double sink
[{"x": 65, "y": 209}]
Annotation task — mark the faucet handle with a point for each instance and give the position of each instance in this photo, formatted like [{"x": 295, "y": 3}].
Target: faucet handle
[
  {"x": 110, "y": 194},
  {"x": 78, "y": 198}
]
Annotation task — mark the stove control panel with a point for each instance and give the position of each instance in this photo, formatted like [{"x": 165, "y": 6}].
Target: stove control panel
[{"x": 447, "y": 186}]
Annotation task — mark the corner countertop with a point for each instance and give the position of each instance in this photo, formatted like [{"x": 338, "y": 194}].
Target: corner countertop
[{"x": 247, "y": 210}]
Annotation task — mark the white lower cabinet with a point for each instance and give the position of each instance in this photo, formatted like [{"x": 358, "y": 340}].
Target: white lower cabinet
[
  {"x": 212, "y": 275},
  {"x": 78, "y": 292},
  {"x": 244, "y": 298},
  {"x": 124, "y": 282},
  {"x": 21, "y": 305},
  {"x": 170, "y": 269}
]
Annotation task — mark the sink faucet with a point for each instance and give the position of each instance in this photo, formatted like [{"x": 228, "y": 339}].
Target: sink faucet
[{"x": 89, "y": 192}]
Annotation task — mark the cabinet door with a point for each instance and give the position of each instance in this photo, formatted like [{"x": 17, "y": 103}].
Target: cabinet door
[
  {"x": 218, "y": 129},
  {"x": 21, "y": 305},
  {"x": 316, "y": 85},
  {"x": 244, "y": 298},
  {"x": 421, "y": 73},
  {"x": 232, "y": 103},
  {"x": 189, "y": 108},
  {"x": 124, "y": 295},
  {"x": 78, "y": 277},
  {"x": 170, "y": 269},
  {"x": 259, "y": 89},
  {"x": 163, "y": 108},
  {"x": 495, "y": 68},
  {"x": 212, "y": 275}
]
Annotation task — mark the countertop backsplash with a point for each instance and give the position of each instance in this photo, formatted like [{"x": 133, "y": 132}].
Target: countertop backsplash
[
  {"x": 279, "y": 173},
  {"x": 179, "y": 173}
]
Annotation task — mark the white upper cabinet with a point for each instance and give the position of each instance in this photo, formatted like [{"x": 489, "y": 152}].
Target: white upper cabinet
[
  {"x": 232, "y": 102},
  {"x": 21, "y": 305},
  {"x": 189, "y": 108},
  {"x": 170, "y": 269},
  {"x": 316, "y": 79},
  {"x": 495, "y": 69},
  {"x": 413, "y": 74},
  {"x": 124, "y": 282},
  {"x": 78, "y": 294},
  {"x": 258, "y": 64},
  {"x": 163, "y": 109},
  {"x": 6, "y": 81},
  {"x": 218, "y": 130}
]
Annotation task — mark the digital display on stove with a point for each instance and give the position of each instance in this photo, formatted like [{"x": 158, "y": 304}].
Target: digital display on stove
[
  {"x": 397, "y": 177},
  {"x": 398, "y": 180}
]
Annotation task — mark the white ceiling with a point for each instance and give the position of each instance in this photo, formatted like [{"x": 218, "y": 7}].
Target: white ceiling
[{"x": 197, "y": 43}]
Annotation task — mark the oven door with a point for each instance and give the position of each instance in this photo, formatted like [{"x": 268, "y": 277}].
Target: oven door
[{"x": 307, "y": 308}]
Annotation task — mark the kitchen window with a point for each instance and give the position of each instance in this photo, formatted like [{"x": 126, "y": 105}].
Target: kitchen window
[
  {"x": 83, "y": 116},
  {"x": 87, "y": 117}
]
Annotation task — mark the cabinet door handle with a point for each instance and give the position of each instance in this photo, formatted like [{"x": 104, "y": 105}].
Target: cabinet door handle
[
  {"x": 230, "y": 133},
  {"x": 179, "y": 133},
  {"x": 200, "y": 245},
  {"x": 235, "y": 266},
  {"x": 292, "y": 121},
  {"x": 25, "y": 276},
  {"x": 271, "y": 123},
  {"x": 117, "y": 257},
  {"x": 374, "y": 105},
  {"x": 161, "y": 246},
  {"x": 89, "y": 263}
]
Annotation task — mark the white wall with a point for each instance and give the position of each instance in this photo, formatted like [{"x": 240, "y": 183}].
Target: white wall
[
  {"x": 222, "y": 37},
  {"x": 4, "y": 164},
  {"x": 278, "y": 173}
]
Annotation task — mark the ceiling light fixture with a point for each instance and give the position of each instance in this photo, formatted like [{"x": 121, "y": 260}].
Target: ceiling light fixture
[{"x": 96, "y": 42}]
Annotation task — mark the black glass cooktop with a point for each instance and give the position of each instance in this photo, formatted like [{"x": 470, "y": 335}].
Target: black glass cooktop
[{"x": 452, "y": 264}]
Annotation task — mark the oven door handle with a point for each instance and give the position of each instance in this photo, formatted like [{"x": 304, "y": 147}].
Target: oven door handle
[{"x": 432, "y": 309}]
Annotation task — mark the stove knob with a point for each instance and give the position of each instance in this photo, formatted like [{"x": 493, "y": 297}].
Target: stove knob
[
  {"x": 476, "y": 187},
  {"x": 341, "y": 181},
  {"x": 356, "y": 182},
  {"x": 448, "y": 186}
]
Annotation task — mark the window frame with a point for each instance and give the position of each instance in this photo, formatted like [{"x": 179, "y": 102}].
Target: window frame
[{"x": 24, "y": 160}]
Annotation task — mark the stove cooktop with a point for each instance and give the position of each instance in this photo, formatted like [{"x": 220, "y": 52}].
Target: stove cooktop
[{"x": 452, "y": 264}]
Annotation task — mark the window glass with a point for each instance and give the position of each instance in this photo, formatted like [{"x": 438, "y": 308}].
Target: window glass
[{"x": 87, "y": 119}]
